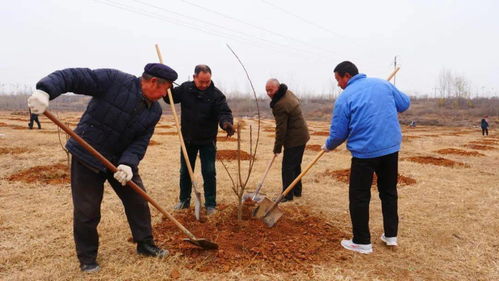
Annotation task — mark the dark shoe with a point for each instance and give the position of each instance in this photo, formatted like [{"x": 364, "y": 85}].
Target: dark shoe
[
  {"x": 297, "y": 195},
  {"x": 89, "y": 268},
  {"x": 150, "y": 250},
  {"x": 211, "y": 211},
  {"x": 284, "y": 200},
  {"x": 182, "y": 205}
]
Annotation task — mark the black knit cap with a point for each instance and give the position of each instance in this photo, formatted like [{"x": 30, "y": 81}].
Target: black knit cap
[{"x": 161, "y": 71}]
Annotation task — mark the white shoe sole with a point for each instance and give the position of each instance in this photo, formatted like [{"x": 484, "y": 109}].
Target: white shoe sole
[
  {"x": 387, "y": 242},
  {"x": 355, "y": 249}
]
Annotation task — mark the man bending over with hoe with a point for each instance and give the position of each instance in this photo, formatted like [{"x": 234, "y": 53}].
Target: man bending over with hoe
[
  {"x": 365, "y": 115},
  {"x": 118, "y": 122}
]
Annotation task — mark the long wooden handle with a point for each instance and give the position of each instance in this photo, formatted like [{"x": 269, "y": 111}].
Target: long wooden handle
[
  {"x": 265, "y": 174},
  {"x": 179, "y": 132},
  {"x": 393, "y": 73},
  {"x": 113, "y": 169}
]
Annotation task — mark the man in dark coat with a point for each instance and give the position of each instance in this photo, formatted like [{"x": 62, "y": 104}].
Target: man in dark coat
[
  {"x": 485, "y": 126},
  {"x": 118, "y": 122},
  {"x": 204, "y": 107},
  {"x": 291, "y": 131},
  {"x": 33, "y": 118}
]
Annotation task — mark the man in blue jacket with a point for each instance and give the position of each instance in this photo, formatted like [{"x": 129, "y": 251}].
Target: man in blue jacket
[
  {"x": 204, "y": 108},
  {"x": 365, "y": 115},
  {"x": 118, "y": 122}
]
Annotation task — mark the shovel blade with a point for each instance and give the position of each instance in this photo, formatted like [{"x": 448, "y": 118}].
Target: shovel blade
[
  {"x": 202, "y": 243},
  {"x": 197, "y": 205},
  {"x": 264, "y": 205},
  {"x": 271, "y": 218},
  {"x": 250, "y": 195}
]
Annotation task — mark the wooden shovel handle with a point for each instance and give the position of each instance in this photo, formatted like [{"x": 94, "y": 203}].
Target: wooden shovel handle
[
  {"x": 113, "y": 169},
  {"x": 393, "y": 73},
  {"x": 179, "y": 132}
]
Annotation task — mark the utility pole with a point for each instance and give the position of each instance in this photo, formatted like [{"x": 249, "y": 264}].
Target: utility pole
[{"x": 394, "y": 67}]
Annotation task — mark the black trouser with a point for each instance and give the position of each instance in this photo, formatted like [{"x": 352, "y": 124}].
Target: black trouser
[
  {"x": 291, "y": 168},
  {"x": 485, "y": 131},
  {"x": 207, "y": 155},
  {"x": 361, "y": 176},
  {"x": 34, "y": 118},
  {"x": 87, "y": 188}
]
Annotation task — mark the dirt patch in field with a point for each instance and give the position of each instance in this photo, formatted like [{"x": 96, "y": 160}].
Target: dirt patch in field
[
  {"x": 2, "y": 124},
  {"x": 269, "y": 129},
  {"x": 17, "y": 127},
  {"x": 313, "y": 147},
  {"x": 438, "y": 161},
  {"x": 163, "y": 126},
  {"x": 166, "y": 133},
  {"x": 296, "y": 243},
  {"x": 228, "y": 154},
  {"x": 344, "y": 176},
  {"x": 13, "y": 150},
  {"x": 409, "y": 138},
  {"x": 50, "y": 174},
  {"x": 459, "y": 152},
  {"x": 320, "y": 133},
  {"x": 226, "y": 139},
  {"x": 485, "y": 142},
  {"x": 153, "y": 142},
  {"x": 480, "y": 147}
]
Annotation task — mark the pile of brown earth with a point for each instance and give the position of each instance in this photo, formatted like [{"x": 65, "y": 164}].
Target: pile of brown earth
[
  {"x": 163, "y": 126},
  {"x": 153, "y": 142},
  {"x": 459, "y": 152},
  {"x": 485, "y": 142},
  {"x": 438, "y": 161},
  {"x": 49, "y": 174},
  {"x": 320, "y": 133},
  {"x": 166, "y": 133},
  {"x": 226, "y": 139},
  {"x": 228, "y": 154},
  {"x": 344, "y": 176},
  {"x": 297, "y": 242},
  {"x": 480, "y": 147}
]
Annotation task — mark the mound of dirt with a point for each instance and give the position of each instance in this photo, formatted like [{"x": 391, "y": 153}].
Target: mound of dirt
[
  {"x": 313, "y": 147},
  {"x": 438, "y": 161},
  {"x": 163, "y": 126},
  {"x": 153, "y": 142},
  {"x": 344, "y": 176},
  {"x": 320, "y": 133},
  {"x": 226, "y": 139},
  {"x": 459, "y": 152},
  {"x": 480, "y": 147},
  {"x": 297, "y": 242},
  {"x": 269, "y": 129},
  {"x": 2, "y": 124},
  {"x": 166, "y": 133},
  {"x": 13, "y": 150},
  {"x": 485, "y": 142},
  {"x": 228, "y": 154},
  {"x": 50, "y": 174}
]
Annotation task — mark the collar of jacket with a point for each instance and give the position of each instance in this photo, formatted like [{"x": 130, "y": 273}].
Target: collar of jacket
[
  {"x": 355, "y": 78},
  {"x": 147, "y": 102},
  {"x": 280, "y": 93}
]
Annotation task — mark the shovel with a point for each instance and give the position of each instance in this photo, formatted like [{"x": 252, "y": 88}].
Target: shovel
[
  {"x": 197, "y": 194},
  {"x": 254, "y": 195},
  {"x": 268, "y": 210},
  {"x": 200, "y": 242}
]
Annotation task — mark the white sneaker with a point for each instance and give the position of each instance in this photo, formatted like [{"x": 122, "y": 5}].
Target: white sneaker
[
  {"x": 361, "y": 248},
  {"x": 390, "y": 241}
]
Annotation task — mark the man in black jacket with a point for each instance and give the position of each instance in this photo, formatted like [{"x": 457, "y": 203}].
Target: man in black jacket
[
  {"x": 118, "y": 122},
  {"x": 204, "y": 107}
]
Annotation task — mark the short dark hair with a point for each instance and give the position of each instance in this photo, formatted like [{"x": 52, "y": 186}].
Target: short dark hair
[
  {"x": 346, "y": 67},
  {"x": 147, "y": 77},
  {"x": 202, "y": 68}
]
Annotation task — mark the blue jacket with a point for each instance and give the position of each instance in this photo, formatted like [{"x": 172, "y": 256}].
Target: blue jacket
[
  {"x": 365, "y": 114},
  {"x": 118, "y": 121}
]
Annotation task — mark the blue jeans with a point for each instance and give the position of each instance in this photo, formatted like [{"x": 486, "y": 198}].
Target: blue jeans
[{"x": 207, "y": 154}]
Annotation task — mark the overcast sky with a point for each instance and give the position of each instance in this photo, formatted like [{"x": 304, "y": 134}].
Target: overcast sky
[{"x": 297, "y": 42}]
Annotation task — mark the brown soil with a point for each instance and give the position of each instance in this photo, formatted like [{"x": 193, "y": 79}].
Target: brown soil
[
  {"x": 438, "y": 161},
  {"x": 163, "y": 126},
  {"x": 17, "y": 127},
  {"x": 320, "y": 133},
  {"x": 409, "y": 138},
  {"x": 166, "y": 133},
  {"x": 50, "y": 174},
  {"x": 313, "y": 147},
  {"x": 153, "y": 142},
  {"x": 13, "y": 150},
  {"x": 226, "y": 139},
  {"x": 485, "y": 142},
  {"x": 269, "y": 129},
  {"x": 480, "y": 147},
  {"x": 296, "y": 243},
  {"x": 2, "y": 124},
  {"x": 459, "y": 152},
  {"x": 344, "y": 176},
  {"x": 228, "y": 154}
]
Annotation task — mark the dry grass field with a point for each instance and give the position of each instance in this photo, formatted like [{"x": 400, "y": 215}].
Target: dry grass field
[{"x": 449, "y": 204}]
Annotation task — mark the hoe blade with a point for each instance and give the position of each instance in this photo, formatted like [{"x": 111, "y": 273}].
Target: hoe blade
[
  {"x": 274, "y": 215},
  {"x": 203, "y": 243},
  {"x": 262, "y": 208}
]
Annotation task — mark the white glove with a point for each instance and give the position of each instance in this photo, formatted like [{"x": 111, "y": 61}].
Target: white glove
[
  {"x": 123, "y": 174},
  {"x": 324, "y": 147},
  {"x": 38, "y": 101}
]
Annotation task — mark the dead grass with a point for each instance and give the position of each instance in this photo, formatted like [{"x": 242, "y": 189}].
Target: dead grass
[{"x": 440, "y": 217}]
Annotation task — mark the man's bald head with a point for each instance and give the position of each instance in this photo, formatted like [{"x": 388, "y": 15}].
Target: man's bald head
[{"x": 272, "y": 87}]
